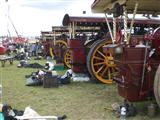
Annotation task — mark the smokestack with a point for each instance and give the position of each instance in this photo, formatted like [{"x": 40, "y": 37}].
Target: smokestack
[{"x": 84, "y": 12}]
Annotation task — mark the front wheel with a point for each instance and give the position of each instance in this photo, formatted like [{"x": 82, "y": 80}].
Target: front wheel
[
  {"x": 67, "y": 58},
  {"x": 100, "y": 65}
]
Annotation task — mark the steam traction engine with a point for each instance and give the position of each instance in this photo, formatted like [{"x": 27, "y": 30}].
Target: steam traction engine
[
  {"x": 54, "y": 42},
  {"x": 86, "y": 53},
  {"x": 138, "y": 66}
]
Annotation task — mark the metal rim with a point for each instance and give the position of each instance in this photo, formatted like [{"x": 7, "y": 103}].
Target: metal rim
[
  {"x": 61, "y": 43},
  {"x": 67, "y": 58},
  {"x": 157, "y": 86},
  {"x": 100, "y": 65}
]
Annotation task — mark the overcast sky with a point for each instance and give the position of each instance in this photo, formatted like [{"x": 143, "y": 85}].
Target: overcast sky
[{"x": 30, "y": 17}]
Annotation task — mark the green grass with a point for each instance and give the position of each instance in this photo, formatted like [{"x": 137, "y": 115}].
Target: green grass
[{"x": 78, "y": 100}]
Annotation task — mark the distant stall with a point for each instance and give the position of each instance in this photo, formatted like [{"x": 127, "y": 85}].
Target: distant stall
[{"x": 19, "y": 40}]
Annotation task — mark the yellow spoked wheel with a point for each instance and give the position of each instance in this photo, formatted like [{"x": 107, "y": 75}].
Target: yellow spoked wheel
[
  {"x": 51, "y": 52},
  {"x": 61, "y": 43},
  {"x": 60, "y": 48},
  {"x": 100, "y": 65},
  {"x": 67, "y": 58}
]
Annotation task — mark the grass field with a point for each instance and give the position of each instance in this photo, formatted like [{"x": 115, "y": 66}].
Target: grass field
[{"x": 78, "y": 100}]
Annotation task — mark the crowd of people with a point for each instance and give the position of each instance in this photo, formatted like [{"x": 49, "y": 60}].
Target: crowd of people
[{"x": 27, "y": 49}]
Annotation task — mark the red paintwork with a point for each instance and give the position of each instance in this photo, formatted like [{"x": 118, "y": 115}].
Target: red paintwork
[
  {"x": 19, "y": 40},
  {"x": 130, "y": 65},
  {"x": 130, "y": 68},
  {"x": 46, "y": 45},
  {"x": 130, "y": 74},
  {"x": 100, "y": 21},
  {"x": 78, "y": 55},
  {"x": 2, "y": 50}
]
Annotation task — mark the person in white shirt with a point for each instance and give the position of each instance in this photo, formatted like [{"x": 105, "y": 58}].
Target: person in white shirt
[
  {"x": 123, "y": 113},
  {"x": 140, "y": 44}
]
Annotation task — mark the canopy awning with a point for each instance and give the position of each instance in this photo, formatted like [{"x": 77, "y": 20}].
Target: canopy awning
[
  {"x": 145, "y": 6},
  {"x": 99, "y": 21},
  {"x": 82, "y": 21}
]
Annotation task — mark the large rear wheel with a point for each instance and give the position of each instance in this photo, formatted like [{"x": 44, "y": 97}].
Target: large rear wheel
[
  {"x": 61, "y": 43},
  {"x": 157, "y": 86},
  {"x": 100, "y": 65}
]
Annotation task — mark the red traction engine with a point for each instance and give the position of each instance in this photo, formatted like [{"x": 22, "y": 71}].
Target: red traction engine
[
  {"x": 138, "y": 75},
  {"x": 83, "y": 30},
  {"x": 137, "y": 68}
]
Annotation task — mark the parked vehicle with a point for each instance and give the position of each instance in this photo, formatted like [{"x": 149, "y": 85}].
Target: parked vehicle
[{"x": 138, "y": 67}]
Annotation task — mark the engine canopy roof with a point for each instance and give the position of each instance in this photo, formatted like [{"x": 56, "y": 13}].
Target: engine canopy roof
[{"x": 145, "y": 6}]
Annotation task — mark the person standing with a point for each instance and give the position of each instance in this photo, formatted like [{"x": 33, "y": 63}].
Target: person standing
[{"x": 33, "y": 48}]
